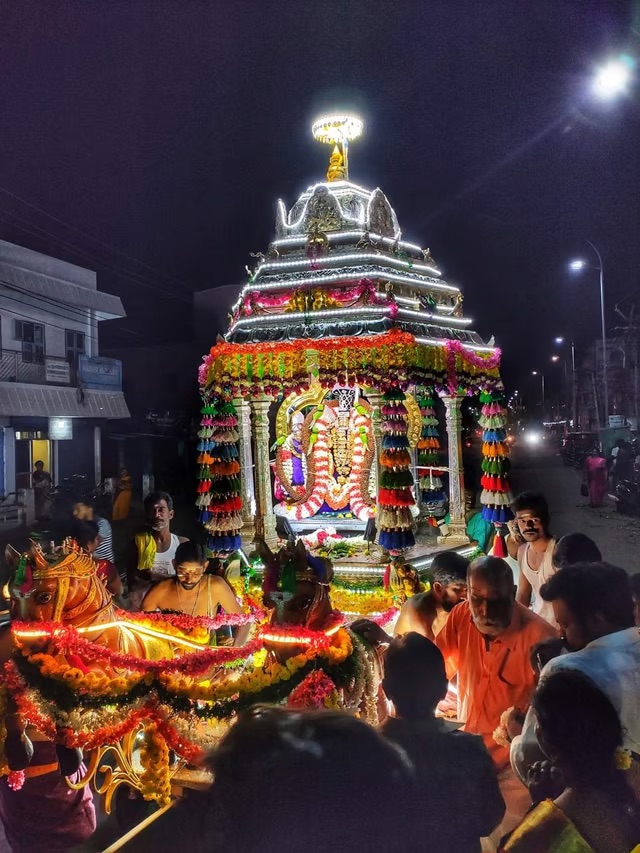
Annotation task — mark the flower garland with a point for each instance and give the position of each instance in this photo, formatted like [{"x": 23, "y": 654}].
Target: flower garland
[
  {"x": 394, "y": 495},
  {"x": 184, "y": 624},
  {"x": 372, "y": 361},
  {"x": 176, "y": 711},
  {"x": 155, "y": 777},
  {"x": 317, "y": 690},
  {"x": 496, "y": 487},
  {"x": 65, "y": 641}
]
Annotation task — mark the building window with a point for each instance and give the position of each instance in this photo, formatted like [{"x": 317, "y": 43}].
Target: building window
[
  {"x": 32, "y": 337},
  {"x": 74, "y": 345}
]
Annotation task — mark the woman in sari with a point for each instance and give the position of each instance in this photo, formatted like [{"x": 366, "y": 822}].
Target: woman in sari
[
  {"x": 597, "y": 812},
  {"x": 122, "y": 500},
  {"x": 595, "y": 472}
]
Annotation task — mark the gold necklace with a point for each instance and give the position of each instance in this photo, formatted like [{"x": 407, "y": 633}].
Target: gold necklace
[{"x": 195, "y": 603}]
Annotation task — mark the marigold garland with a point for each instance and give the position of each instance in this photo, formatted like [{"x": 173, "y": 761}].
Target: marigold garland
[{"x": 155, "y": 776}]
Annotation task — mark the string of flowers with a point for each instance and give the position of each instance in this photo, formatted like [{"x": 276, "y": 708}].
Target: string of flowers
[
  {"x": 373, "y": 360},
  {"x": 155, "y": 777},
  {"x": 66, "y": 641},
  {"x": 186, "y": 623}
]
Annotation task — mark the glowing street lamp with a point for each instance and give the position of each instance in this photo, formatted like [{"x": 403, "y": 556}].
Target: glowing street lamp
[
  {"x": 613, "y": 78},
  {"x": 577, "y": 265},
  {"x": 541, "y": 375},
  {"x": 574, "y": 412}
]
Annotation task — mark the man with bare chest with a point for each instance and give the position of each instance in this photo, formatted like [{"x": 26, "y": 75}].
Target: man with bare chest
[
  {"x": 535, "y": 543},
  {"x": 191, "y": 591}
]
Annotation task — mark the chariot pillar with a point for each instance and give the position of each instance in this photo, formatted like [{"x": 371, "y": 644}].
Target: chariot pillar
[
  {"x": 457, "y": 527},
  {"x": 265, "y": 520},
  {"x": 247, "y": 484}
]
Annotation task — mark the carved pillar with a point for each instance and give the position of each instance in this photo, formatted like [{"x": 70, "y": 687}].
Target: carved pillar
[
  {"x": 457, "y": 531},
  {"x": 375, "y": 400},
  {"x": 265, "y": 520},
  {"x": 247, "y": 487}
]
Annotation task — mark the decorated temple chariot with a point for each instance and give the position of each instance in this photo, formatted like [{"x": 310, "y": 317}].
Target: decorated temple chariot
[
  {"x": 332, "y": 408},
  {"x": 330, "y": 474}
]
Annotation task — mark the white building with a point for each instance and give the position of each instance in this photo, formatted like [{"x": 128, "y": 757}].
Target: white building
[{"x": 55, "y": 391}]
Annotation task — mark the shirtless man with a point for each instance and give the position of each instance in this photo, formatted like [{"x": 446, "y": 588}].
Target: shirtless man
[
  {"x": 535, "y": 551},
  {"x": 427, "y": 612},
  {"x": 192, "y": 592}
]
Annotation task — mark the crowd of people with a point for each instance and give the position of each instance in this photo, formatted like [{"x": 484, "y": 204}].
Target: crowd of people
[{"x": 513, "y": 720}]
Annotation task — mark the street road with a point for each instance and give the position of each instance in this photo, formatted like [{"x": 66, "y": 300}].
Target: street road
[{"x": 617, "y": 536}]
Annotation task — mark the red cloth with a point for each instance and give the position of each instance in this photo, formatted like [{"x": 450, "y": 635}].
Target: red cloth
[{"x": 596, "y": 471}]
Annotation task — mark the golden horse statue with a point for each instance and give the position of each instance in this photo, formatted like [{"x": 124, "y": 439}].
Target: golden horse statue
[
  {"x": 61, "y": 587},
  {"x": 135, "y": 674}
]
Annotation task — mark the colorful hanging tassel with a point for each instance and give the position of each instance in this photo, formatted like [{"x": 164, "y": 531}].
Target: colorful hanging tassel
[
  {"x": 496, "y": 487},
  {"x": 395, "y": 498},
  {"x": 219, "y": 499}
]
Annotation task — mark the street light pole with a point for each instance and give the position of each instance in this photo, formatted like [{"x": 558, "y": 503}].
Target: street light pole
[
  {"x": 574, "y": 387},
  {"x": 535, "y": 373},
  {"x": 604, "y": 335}
]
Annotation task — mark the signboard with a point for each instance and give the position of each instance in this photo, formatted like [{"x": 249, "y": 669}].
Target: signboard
[
  {"x": 100, "y": 374},
  {"x": 60, "y": 429},
  {"x": 616, "y": 420},
  {"x": 57, "y": 371}
]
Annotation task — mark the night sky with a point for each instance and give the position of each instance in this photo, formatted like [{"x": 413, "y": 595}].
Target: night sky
[{"x": 150, "y": 139}]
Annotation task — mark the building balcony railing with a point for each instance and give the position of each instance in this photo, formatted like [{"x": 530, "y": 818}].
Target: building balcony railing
[
  {"x": 53, "y": 371},
  {"x": 94, "y": 372}
]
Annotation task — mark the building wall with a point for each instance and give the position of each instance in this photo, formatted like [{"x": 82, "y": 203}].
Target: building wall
[
  {"x": 55, "y": 320},
  {"x": 76, "y": 456}
]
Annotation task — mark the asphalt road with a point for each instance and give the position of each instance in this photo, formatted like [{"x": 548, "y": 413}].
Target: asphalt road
[{"x": 617, "y": 536}]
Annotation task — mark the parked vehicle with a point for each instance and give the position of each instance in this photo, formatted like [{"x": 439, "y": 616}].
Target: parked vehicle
[
  {"x": 627, "y": 496},
  {"x": 575, "y": 447}
]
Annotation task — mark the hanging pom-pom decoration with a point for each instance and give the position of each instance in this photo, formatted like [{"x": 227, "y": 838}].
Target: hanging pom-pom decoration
[
  {"x": 218, "y": 478},
  {"x": 496, "y": 486},
  {"x": 395, "y": 498}
]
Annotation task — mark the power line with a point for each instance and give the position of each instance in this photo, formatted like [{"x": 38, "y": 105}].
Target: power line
[
  {"x": 84, "y": 254},
  {"x": 82, "y": 314},
  {"x": 91, "y": 237}
]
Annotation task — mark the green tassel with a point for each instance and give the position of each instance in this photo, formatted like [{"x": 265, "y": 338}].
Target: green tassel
[
  {"x": 390, "y": 479},
  {"x": 21, "y": 571}
]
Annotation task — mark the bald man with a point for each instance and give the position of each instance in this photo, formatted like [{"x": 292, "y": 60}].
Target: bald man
[{"x": 487, "y": 642}]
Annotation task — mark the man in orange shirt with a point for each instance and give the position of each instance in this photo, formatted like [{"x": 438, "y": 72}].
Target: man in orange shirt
[{"x": 487, "y": 642}]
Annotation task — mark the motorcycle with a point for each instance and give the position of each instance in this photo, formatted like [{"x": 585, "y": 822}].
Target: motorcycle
[{"x": 627, "y": 496}]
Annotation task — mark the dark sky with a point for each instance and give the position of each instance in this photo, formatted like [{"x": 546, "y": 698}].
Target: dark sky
[{"x": 156, "y": 135}]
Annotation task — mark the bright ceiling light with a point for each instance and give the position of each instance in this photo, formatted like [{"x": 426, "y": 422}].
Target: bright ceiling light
[{"x": 613, "y": 78}]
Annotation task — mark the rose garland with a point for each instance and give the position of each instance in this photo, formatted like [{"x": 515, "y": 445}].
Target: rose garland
[
  {"x": 66, "y": 641},
  {"x": 186, "y": 624}
]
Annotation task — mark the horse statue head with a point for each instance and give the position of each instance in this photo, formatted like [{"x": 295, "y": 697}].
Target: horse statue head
[
  {"x": 296, "y": 586},
  {"x": 57, "y": 585}
]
